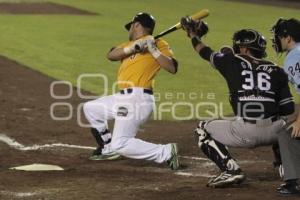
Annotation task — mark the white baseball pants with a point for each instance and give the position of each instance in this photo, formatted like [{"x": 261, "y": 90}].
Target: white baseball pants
[{"x": 129, "y": 110}]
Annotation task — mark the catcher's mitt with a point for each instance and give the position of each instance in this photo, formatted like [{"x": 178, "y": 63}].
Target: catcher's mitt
[{"x": 197, "y": 27}]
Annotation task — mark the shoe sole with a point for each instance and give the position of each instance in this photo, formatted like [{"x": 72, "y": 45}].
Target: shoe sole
[
  {"x": 211, "y": 179},
  {"x": 236, "y": 181},
  {"x": 289, "y": 195},
  {"x": 112, "y": 157}
]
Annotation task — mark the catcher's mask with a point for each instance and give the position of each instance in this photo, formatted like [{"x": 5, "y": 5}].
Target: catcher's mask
[
  {"x": 282, "y": 29},
  {"x": 145, "y": 19},
  {"x": 252, "y": 40}
]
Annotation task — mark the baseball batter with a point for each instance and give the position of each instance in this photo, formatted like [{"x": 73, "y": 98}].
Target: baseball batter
[
  {"x": 259, "y": 95},
  {"x": 286, "y": 38},
  {"x": 141, "y": 59}
]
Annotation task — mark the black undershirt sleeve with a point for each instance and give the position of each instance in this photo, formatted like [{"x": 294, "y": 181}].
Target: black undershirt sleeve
[{"x": 206, "y": 53}]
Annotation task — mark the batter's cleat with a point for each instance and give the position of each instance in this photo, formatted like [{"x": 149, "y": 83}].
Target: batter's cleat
[
  {"x": 98, "y": 155},
  {"x": 109, "y": 156},
  {"x": 173, "y": 162},
  {"x": 289, "y": 189},
  {"x": 226, "y": 178}
]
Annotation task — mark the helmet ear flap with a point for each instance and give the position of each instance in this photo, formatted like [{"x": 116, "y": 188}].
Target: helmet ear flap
[{"x": 236, "y": 41}]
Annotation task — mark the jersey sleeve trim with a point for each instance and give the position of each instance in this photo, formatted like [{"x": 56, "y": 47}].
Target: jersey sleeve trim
[
  {"x": 286, "y": 100},
  {"x": 212, "y": 60}
]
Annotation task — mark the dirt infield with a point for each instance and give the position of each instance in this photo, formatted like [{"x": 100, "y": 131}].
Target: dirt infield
[
  {"x": 41, "y": 8},
  {"x": 25, "y": 103}
]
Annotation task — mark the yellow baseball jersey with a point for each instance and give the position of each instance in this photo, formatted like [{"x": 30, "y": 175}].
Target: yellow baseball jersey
[{"x": 139, "y": 69}]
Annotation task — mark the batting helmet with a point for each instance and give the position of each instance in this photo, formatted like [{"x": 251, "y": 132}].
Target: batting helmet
[
  {"x": 145, "y": 19},
  {"x": 284, "y": 28},
  {"x": 252, "y": 40}
]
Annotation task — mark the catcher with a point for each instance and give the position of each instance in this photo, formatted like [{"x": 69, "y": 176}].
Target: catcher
[{"x": 259, "y": 96}]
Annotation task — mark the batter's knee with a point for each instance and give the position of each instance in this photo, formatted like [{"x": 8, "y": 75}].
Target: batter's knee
[{"x": 87, "y": 107}]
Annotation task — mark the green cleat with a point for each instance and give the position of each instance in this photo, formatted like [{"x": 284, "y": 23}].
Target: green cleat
[
  {"x": 110, "y": 156},
  {"x": 173, "y": 162}
]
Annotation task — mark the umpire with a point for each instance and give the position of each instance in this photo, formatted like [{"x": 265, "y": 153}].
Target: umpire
[
  {"x": 259, "y": 96},
  {"x": 286, "y": 38}
]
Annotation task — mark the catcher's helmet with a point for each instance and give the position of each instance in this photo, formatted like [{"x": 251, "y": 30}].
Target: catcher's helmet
[
  {"x": 145, "y": 19},
  {"x": 284, "y": 28},
  {"x": 252, "y": 40}
]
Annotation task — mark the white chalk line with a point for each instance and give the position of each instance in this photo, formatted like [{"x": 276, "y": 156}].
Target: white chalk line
[
  {"x": 194, "y": 158},
  {"x": 22, "y": 195},
  {"x": 191, "y": 174},
  {"x": 208, "y": 163},
  {"x": 16, "y": 145}
]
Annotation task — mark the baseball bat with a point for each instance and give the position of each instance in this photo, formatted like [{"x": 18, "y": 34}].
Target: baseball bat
[{"x": 199, "y": 15}]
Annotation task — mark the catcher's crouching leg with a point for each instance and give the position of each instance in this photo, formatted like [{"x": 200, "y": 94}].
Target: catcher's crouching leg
[
  {"x": 217, "y": 152},
  {"x": 213, "y": 149}
]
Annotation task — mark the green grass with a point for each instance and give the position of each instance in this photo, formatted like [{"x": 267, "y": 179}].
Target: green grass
[{"x": 65, "y": 46}]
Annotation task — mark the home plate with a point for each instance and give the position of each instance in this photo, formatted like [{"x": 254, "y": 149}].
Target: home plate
[{"x": 38, "y": 167}]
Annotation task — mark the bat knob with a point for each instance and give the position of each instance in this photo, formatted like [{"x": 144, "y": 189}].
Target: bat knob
[{"x": 137, "y": 48}]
